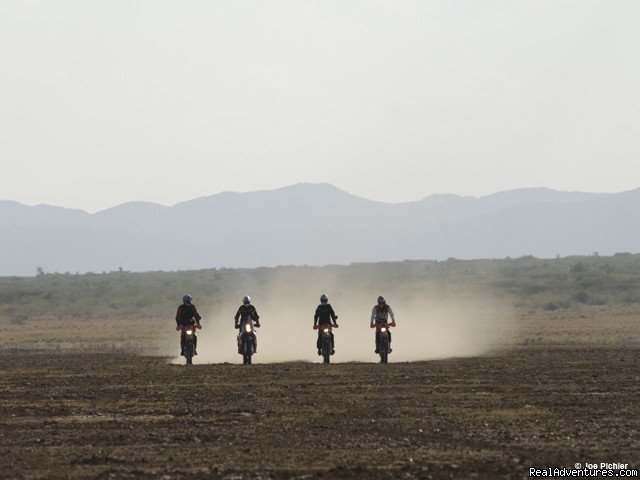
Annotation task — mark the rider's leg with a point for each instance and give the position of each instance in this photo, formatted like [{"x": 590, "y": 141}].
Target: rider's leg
[
  {"x": 389, "y": 332},
  {"x": 333, "y": 344},
  {"x": 319, "y": 342},
  {"x": 239, "y": 340},
  {"x": 255, "y": 343},
  {"x": 182, "y": 344},
  {"x": 377, "y": 341},
  {"x": 195, "y": 344}
]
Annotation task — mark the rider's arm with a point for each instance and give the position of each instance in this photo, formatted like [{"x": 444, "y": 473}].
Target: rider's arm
[
  {"x": 373, "y": 315},
  {"x": 316, "y": 316},
  {"x": 393, "y": 317},
  {"x": 254, "y": 314},
  {"x": 333, "y": 314},
  {"x": 196, "y": 315},
  {"x": 178, "y": 316}
]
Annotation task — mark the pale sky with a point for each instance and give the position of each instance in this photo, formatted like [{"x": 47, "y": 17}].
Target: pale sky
[{"x": 103, "y": 102}]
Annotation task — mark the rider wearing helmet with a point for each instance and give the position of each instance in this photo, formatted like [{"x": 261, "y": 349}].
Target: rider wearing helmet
[
  {"x": 380, "y": 314},
  {"x": 187, "y": 314},
  {"x": 247, "y": 312},
  {"x": 324, "y": 315}
]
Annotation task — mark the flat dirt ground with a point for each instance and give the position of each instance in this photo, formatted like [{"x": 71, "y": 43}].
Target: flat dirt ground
[
  {"x": 111, "y": 416},
  {"x": 540, "y": 401}
]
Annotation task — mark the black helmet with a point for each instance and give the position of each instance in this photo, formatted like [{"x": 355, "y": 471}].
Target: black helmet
[
  {"x": 187, "y": 298},
  {"x": 324, "y": 298},
  {"x": 381, "y": 299},
  {"x": 246, "y": 300}
]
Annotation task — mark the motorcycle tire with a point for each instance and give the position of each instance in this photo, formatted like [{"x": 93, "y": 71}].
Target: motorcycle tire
[
  {"x": 326, "y": 351},
  {"x": 188, "y": 353},
  {"x": 247, "y": 348},
  {"x": 384, "y": 351}
]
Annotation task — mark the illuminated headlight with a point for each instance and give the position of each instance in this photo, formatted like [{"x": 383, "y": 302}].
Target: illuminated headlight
[
  {"x": 247, "y": 328},
  {"x": 326, "y": 330},
  {"x": 383, "y": 329},
  {"x": 189, "y": 332}
]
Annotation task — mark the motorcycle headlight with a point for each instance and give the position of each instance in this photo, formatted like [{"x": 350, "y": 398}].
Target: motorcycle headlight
[
  {"x": 189, "y": 332},
  {"x": 383, "y": 329},
  {"x": 326, "y": 330},
  {"x": 247, "y": 328}
]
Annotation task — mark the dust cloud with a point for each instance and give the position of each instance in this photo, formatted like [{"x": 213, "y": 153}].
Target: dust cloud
[{"x": 433, "y": 320}]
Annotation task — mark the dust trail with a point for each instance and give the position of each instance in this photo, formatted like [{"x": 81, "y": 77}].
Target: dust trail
[{"x": 433, "y": 322}]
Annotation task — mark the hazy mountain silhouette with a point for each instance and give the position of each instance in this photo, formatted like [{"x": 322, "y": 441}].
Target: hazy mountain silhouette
[{"x": 314, "y": 224}]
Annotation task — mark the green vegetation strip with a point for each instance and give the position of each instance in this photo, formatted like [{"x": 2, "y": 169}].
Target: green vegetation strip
[{"x": 546, "y": 284}]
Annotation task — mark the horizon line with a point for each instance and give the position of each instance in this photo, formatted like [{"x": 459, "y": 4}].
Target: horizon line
[{"x": 264, "y": 190}]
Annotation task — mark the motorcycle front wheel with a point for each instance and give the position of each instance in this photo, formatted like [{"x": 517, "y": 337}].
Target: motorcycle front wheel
[
  {"x": 188, "y": 353},
  {"x": 247, "y": 348},
  {"x": 383, "y": 357}
]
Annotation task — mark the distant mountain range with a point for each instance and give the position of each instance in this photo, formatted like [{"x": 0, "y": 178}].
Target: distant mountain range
[{"x": 314, "y": 224}]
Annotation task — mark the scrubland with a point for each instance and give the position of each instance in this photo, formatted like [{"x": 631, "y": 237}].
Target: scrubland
[{"x": 498, "y": 381}]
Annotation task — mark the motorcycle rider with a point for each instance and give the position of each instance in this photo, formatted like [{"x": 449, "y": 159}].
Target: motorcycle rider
[
  {"x": 247, "y": 312},
  {"x": 186, "y": 315},
  {"x": 380, "y": 314},
  {"x": 324, "y": 315}
]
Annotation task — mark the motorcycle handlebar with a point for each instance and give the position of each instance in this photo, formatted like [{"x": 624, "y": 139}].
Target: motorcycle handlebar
[
  {"x": 379, "y": 325},
  {"x": 184, "y": 327},
  {"x": 330, "y": 325}
]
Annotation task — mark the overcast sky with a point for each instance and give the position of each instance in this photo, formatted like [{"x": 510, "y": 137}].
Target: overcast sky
[{"x": 103, "y": 102}]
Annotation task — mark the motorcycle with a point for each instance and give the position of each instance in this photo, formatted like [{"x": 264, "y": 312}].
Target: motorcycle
[
  {"x": 247, "y": 339},
  {"x": 384, "y": 345},
  {"x": 327, "y": 341},
  {"x": 188, "y": 333}
]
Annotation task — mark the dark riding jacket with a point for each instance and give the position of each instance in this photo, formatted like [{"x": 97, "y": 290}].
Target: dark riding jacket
[
  {"x": 187, "y": 314},
  {"x": 246, "y": 311},
  {"x": 324, "y": 314}
]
